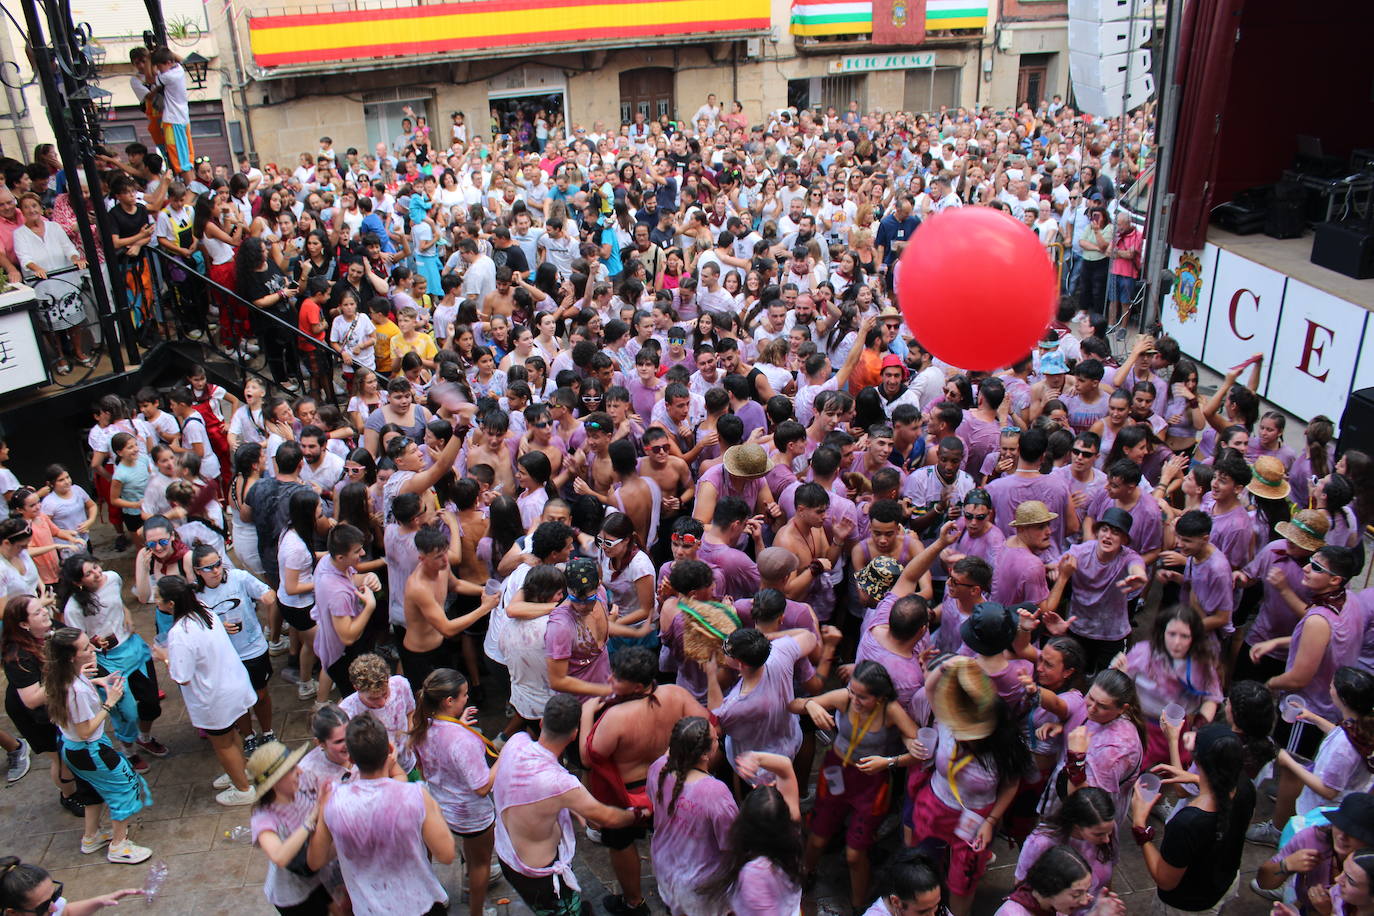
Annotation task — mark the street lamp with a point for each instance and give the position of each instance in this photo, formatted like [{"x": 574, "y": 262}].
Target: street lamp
[{"x": 197, "y": 68}]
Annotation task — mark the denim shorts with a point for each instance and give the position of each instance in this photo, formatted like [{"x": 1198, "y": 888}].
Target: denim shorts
[{"x": 1120, "y": 288}]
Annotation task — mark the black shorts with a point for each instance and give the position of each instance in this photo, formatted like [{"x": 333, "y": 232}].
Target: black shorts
[
  {"x": 472, "y": 835},
  {"x": 297, "y": 618},
  {"x": 259, "y": 670},
  {"x": 458, "y": 605},
  {"x": 221, "y": 731},
  {"x": 543, "y": 895},
  {"x": 622, "y": 837},
  {"x": 416, "y": 666}
]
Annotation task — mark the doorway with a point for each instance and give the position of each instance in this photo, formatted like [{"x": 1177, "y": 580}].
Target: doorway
[
  {"x": 384, "y": 119},
  {"x": 1032, "y": 79},
  {"x": 518, "y": 115},
  {"x": 648, "y": 90}
]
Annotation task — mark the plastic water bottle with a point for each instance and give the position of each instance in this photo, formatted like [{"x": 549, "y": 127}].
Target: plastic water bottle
[
  {"x": 239, "y": 834},
  {"x": 157, "y": 876}
]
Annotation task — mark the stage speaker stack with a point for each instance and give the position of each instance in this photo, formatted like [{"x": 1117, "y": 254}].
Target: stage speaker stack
[
  {"x": 1357, "y": 422},
  {"x": 1347, "y": 248},
  {"x": 1109, "y": 57}
]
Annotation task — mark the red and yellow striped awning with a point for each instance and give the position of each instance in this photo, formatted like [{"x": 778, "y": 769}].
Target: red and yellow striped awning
[{"x": 309, "y": 38}]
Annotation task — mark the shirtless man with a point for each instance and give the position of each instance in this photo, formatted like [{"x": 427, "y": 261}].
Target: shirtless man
[
  {"x": 535, "y": 800},
  {"x": 592, "y": 462},
  {"x": 539, "y": 437},
  {"x": 500, "y": 301},
  {"x": 804, "y": 535},
  {"x": 632, "y": 494},
  {"x": 671, "y": 473},
  {"x": 411, "y": 475},
  {"x": 493, "y": 446},
  {"x": 621, "y": 736},
  {"x": 426, "y": 591}
]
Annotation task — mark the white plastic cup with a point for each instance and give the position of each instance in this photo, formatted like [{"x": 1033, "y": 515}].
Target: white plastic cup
[
  {"x": 493, "y": 587},
  {"x": 1149, "y": 785},
  {"x": 929, "y": 738},
  {"x": 1174, "y": 714},
  {"x": 834, "y": 779},
  {"x": 1291, "y": 706}
]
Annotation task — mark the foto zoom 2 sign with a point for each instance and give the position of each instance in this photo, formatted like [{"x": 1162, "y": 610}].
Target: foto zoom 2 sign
[
  {"x": 869, "y": 62},
  {"x": 1317, "y": 347}
]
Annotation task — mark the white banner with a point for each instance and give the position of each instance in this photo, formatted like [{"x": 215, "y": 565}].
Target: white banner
[
  {"x": 1317, "y": 347},
  {"x": 21, "y": 361}
]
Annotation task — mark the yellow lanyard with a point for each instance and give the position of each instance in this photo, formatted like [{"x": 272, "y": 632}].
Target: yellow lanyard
[
  {"x": 954, "y": 767},
  {"x": 856, "y": 733},
  {"x": 495, "y": 751}
]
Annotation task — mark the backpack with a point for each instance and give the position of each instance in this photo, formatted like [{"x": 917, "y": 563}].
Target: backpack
[{"x": 215, "y": 430}]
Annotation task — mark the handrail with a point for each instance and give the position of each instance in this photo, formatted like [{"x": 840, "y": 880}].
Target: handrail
[{"x": 271, "y": 320}]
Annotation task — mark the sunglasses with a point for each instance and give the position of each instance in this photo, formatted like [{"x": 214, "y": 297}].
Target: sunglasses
[
  {"x": 590, "y": 398},
  {"x": 608, "y": 543},
  {"x": 47, "y": 905},
  {"x": 160, "y": 542},
  {"x": 955, "y": 583},
  {"x": 582, "y": 599},
  {"x": 677, "y": 340},
  {"x": 543, "y": 424},
  {"x": 211, "y": 567},
  {"x": 354, "y": 470},
  {"x": 686, "y": 540},
  {"x": 976, "y": 516},
  {"x": 658, "y": 449},
  {"x": 1319, "y": 568},
  {"x": 1085, "y": 453}
]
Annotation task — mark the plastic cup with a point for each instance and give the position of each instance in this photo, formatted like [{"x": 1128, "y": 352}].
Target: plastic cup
[
  {"x": 834, "y": 779},
  {"x": 493, "y": 587},
  {"x": 1291, "y": 706},
  {"x": 929, "y": 738},
  {"x": 1174, "y": 714},
  {"x": 1149, "y": 786}
]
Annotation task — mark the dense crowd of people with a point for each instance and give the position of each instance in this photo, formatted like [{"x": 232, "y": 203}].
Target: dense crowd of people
[{"x": 630, "y": 422}]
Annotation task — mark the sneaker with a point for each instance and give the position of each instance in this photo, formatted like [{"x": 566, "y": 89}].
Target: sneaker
[
  {"x": 121, "y": 544},
  {"x": 1266, "y": 893},
  {"x": 222, "y": 781},
  {"x": 250, "y": 744},
  {"x": 152, "y": 746},
  {"x": 72, "y": 806},
  {"x": 232, "y": 797},
  {"x": 291, "y": 674},
  {"x": 1263, "y": 834},
  {"x": 306, "y": 689},
  {"x": 615, "y": 904},
  {"x": 138, "y": 763},
  {"x": 280, "y": 647},
  {"x": 496, "y": 871},
  {"x": 593, "y": 834},
  {"x": 195, "y": 334},
  {"x": 267, "y": 737},
  {"x": 127, "y": 853},
  {"x": 97, "y": 842},
  {"x": 17, "y": 766},
  {"x": 251, "y": 347}
]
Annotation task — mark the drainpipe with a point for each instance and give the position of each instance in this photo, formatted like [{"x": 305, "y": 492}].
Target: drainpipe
[
  {"x": 18, "y": 105},
  {"x": 240, "y": 81}
]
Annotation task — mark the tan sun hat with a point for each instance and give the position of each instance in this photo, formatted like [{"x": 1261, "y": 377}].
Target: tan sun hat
[
  {"x": 746, "y": 460},
  {"x": 964, "y": 699},
  {"x": 1307, "y": 529},
  {"x": 1033, "y": 512},
  {"x": 705, "y": 627},
  {"x": 1268, "y": 478},
  {"x": 269, "y": 763}
]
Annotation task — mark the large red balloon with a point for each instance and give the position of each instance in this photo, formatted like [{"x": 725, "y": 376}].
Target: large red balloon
[{"x": 976, "y": 287}]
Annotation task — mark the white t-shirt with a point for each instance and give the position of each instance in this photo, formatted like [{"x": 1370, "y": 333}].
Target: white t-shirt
[
  {"x": 8, "y": 482},
  {"x": 108, "y": 618},
  {"x": 292, "y": 553},
  {"x": 68, "y": 511},
  {"x": 361, "y": 329},
  {"x": 326, "y": 475},
  {"x": 15, "y": 582},
  {"x": 248, "y": 425},
  {"x": 214, "y": 683},
  {"x": 83, "y": 703},
  {"x": 193, "y": 433},
  {"x": 161, "y": 430}
]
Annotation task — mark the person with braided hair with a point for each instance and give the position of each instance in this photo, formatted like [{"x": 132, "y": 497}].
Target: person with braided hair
[{"x": 693, "y": 814}]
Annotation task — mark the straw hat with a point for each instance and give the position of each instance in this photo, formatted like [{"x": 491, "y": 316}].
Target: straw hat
[
  {"x": 964, "y": 699},
  {"x": 1307, "y": 529},
  {"x": 1268, "y": 478},
  {"x": 1033, "y": 512},
  {"x": 746, "y": 460},
  {"x": 705, "y": 627},
  {"x": 269, "y": 763}
]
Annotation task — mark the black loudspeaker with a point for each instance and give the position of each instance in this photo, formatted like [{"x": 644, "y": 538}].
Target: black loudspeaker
[
  {"x": 1286, "y": 218},
  {"x": 1239, "y": 218},
  {"x": 1344, "y": 248},
  {"x": 1357, "y": 421}
]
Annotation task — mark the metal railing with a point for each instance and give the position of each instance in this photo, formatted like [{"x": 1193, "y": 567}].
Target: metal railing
[{"x": 284, "y": 362}]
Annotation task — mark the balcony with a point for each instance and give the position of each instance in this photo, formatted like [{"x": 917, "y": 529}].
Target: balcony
[
  {"x": 831, "y": 25},
  {"x": 307, "y": 37}
]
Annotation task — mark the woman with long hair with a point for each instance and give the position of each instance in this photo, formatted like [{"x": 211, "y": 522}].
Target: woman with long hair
[
  {"x": 1086, "y": 822},
  {"x": 629, "y": 576},
  {"x": 26, "y": 888},
  {"x": 367, "y": 397},
  {"x": 218, "y": 230},
  {"x": 1315, "y": 461},
  {"x": 1359, "y": 468},
  {"x": 1106, "y": 751},
  {"x": 1177, "y": 665},
  {"x": 979, "y": 760},
  {"x": 762, "y": 872},
  {"x": 296, "y": 558},
  {"x": 46, "y": 539},
  {"x": 693, "y": 814},
  {"x": 284, "y": 816},
  {"x": 869, "y": 724},
  {"x": 454, "y": 759},
  {"x": 1060, "y": 881},
  {"x": 27, "y": 626},
  {"x": 533, "y": 473},
  {"x": 1197, "y": 858},
  {"x": 200, "y": 656},
  {"x": 236, "y": 597},
  {"x": 90, "y": 600},
  {"x": 400, "y": 409},
  {"x": 250, "y": 462},
  {"x": 76, "y": 707},
  {"x": 18, "y": 572},
  {"x": 164, "y": 553}
]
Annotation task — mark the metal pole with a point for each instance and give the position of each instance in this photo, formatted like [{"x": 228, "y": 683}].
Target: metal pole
[
  {"x": 59, "y": 109},
  {"x": 1161, "y": 201},
  {"x": 240, "y": 79}
]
